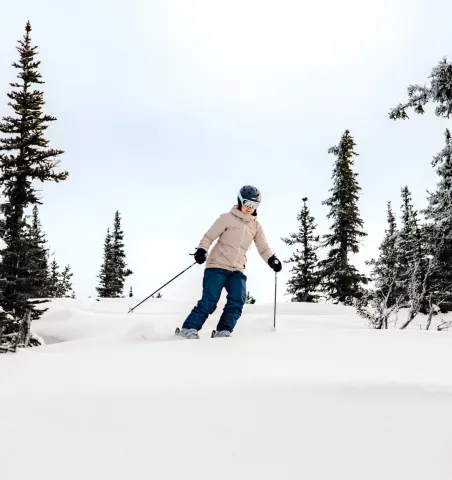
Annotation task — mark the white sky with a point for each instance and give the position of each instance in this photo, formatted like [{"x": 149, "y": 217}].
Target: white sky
[{"x": 166, "y": 108}]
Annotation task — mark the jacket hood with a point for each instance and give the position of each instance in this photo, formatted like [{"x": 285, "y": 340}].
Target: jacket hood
[{"x": 248, "y": 217}]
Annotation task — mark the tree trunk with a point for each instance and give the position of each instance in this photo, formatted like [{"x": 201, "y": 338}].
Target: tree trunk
[
  {"x": 410, "y": 318},
  {"x": 430, "y": 315},
  {"x": 27, "y": 328}
]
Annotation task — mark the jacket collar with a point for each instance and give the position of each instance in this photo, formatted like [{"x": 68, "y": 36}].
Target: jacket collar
[{"x": 246, "y": 217}]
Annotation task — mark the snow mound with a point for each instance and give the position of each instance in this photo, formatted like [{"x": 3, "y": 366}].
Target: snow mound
[{"x": 321, "y": 397}]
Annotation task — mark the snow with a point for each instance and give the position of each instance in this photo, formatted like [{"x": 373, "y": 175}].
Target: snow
[{"x": 322, "y": 397}]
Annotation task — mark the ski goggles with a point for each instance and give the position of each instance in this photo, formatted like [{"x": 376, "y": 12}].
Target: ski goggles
[{"x": 250, "y": 203}]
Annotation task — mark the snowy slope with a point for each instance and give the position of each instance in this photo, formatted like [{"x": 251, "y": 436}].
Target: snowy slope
[{"x": 322, "y": 397}]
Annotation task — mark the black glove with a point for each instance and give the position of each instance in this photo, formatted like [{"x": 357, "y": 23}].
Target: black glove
[
  {"x": 275, "y": 263},
  {"x": 200, "y": 255}
]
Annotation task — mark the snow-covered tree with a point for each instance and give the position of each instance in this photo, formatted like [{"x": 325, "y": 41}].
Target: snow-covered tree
[
  {"x": 411, "y": 248},
  {"x": 24, "y": 158},
  {"x": 438, "y": 92},
  {"x": 417, "y": 289},
  {"x": 386, "y": 268},
  {"x": 439, "y": 217},
  {"x": 409, "y": 238},
  {"x": 341, "y": 281},
  {"x": 379, "y": 304},
  {"x": 304, "y": 282}
]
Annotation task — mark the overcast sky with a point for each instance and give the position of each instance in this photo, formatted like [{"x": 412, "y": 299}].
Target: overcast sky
[{"x": 166, "y": 108}]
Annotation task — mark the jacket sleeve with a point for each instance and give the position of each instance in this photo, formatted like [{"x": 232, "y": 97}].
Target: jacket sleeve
[
  {"x": 262, "y": 245},
  {"x": 214, "y": 232}
]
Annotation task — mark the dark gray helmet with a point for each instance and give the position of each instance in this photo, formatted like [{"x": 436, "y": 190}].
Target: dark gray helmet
[{"x": 249, "y": 196}]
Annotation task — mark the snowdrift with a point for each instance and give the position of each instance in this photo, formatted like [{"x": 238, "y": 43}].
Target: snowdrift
[{"x": 117, "y": 395}]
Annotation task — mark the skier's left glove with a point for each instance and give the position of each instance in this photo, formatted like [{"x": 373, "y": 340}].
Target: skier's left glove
[{"x": 275, "y": 263}]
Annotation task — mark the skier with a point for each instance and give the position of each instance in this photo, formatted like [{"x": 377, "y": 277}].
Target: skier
[{"x": 235, "y": 232}]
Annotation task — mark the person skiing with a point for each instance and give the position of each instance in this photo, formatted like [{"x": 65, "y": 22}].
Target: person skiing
[{"x": 235, "y": 231}]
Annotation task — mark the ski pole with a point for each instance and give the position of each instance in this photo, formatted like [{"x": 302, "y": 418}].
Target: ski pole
[
  {"x": 174, "y": 278},
  {"x": 274, "y": 311}
]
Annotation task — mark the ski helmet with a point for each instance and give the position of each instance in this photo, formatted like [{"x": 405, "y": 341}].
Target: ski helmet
[{"x": 249, "y": 196}]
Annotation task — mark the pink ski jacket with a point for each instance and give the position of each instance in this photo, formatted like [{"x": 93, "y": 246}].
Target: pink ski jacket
[{"x": 235, "y": 232}]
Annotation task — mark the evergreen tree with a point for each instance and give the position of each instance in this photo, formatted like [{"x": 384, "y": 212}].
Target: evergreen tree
[
  {"x": 439, "y": 92},
  {"x": 38, "y": 264},
  {"x": 305, "y": 279},
  {"x": 120, "y": 270},
  {"x": 439, "y": 215},
  {"x": 60, "y": 283},
  {"x": 250, "y": 299},
  {"x": 24, "y": 158},
  {"x": 386, "y": 269},
  {"x": 340, "y": 280},
  {"x": 53, "y": 288},
  {"x": 106, "y": 276},
  {"x": 410, "y": 241},
  {"x": 65, "y": 283}
]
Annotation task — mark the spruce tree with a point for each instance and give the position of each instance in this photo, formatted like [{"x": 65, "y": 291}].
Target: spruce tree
[
  {"x": 437, "y": 231},
  {"x": 438, "y": 92},
  {"x": 106, "y": 275},
  {"x": 341, "y": 281},
  {"x": 65, "y": 283},
  {"x": 410, "y": 241},
  {"x": 304, "y": 282},
  {"x": 24, "y": 158},
  {"x": 439, "y": 216},
  {"x": 386, "y": 269},
  {"x": 121, "y": 272},
  {"x": 38, "y": 264},
  {"x": 53, "y": 287}
]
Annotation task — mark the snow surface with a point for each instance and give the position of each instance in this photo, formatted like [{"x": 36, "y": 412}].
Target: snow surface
[{"x": 117, "y": 396}]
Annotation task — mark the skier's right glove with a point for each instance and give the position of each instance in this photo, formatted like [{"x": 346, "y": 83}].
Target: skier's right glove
[{"x": 200, "y": 255}]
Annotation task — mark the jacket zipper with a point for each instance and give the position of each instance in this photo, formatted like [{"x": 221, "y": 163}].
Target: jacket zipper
[{"x": 240, "y": 246}]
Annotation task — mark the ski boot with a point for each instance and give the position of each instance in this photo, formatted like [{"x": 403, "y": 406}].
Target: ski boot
[
  {"x": 220, "y": 333},
  {"x": 189, "y": 333}
]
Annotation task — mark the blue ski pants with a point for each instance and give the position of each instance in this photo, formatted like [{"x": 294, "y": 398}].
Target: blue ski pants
[{"x": 215, "y": 279}]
